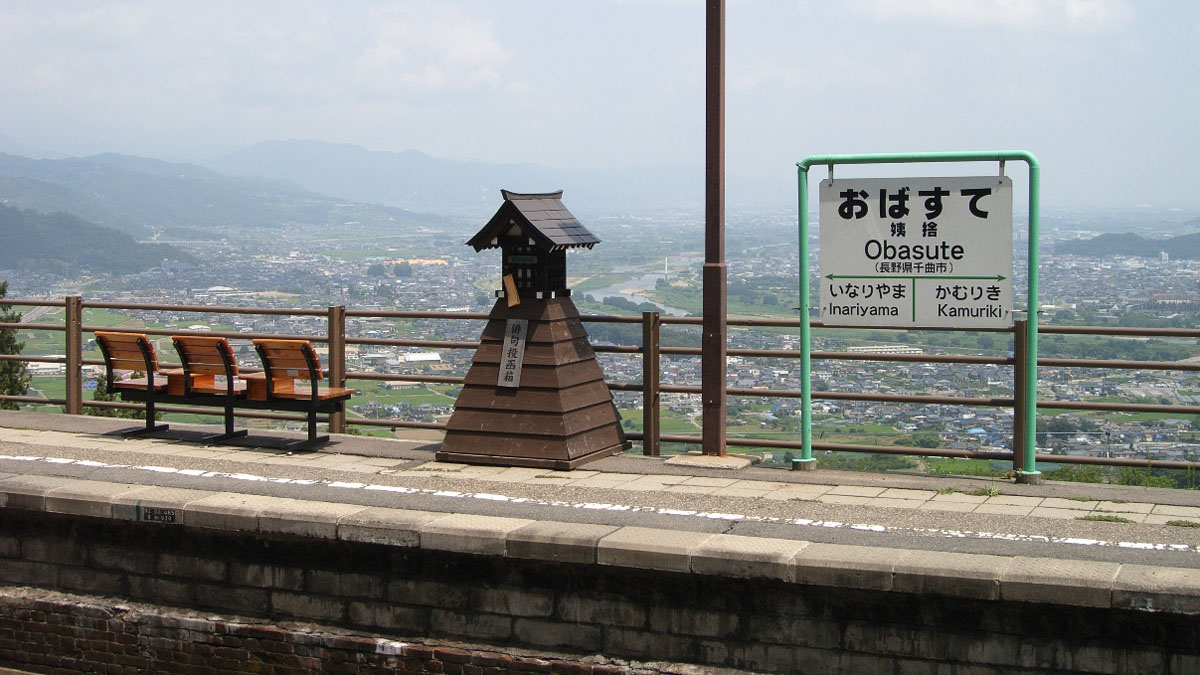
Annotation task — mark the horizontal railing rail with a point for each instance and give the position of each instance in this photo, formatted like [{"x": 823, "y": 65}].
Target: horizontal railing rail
[{"x": 651, "y": 386}]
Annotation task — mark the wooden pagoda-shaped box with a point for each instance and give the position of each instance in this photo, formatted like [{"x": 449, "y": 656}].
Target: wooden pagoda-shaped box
[{"x": 534, "y": 394}]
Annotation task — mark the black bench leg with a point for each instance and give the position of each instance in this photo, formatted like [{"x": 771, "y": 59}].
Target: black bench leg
[
  {"x": 313, "y": 440},
  {"x": 150, "y": 427},
  {"x": 229, "y": 431}
]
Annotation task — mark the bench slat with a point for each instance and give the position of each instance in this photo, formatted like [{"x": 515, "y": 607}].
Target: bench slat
[
  {"x": 208, "y": 368},
  {"x": 129, "y": 364},
  {"x": 140, "y": 383},
  {"x": 119, "y": 338},
  {"x": 128, "y": 349},
  {"x": 122, "y": 353},
  {"x": 323, "y": 393}
]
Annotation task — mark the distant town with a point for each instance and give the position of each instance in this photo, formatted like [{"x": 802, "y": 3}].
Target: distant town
[{"x": 652, "y": 263}]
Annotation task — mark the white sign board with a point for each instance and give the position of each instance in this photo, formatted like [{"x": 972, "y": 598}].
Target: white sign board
[
  {"x": 912, "y": 252},
  {"x": 512, "y": 352}
]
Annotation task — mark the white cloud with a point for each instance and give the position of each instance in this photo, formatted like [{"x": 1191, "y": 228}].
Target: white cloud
[
  {"x": 431, "y": 47},
  {"x": 1055, "y": 16}
]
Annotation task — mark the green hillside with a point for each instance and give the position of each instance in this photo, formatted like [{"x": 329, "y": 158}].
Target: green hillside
[
  {"x": 1182, "y": 247},
  {"x": 52, "y": 242}
]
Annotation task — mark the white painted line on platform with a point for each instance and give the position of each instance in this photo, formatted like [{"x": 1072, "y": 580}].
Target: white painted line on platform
[{"x": 735, "y": 517}]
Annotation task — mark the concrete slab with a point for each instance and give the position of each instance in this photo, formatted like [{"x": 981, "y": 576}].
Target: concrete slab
[
  {"x": 728, "y": 462},
  {"x": 1124, "y": 507},
  {"x": 1159, "y": 519},
  {"x": 690, "y": 489},
  {"x": 1157, "y": 589},
  {"x": 558, "y": 478},
  {"x": 960, "y": 498},
  {"x": 844, "y": 499},
  {"x": 651, "y": 483},
  {"x": 1073, "y": 504},
  {"x": 896, "y": 503},
  {"x": 29, "y": 492},
  {"x": 1059, "y": 514},
  {"x": 204, "y": 452},
  {"x": 87, "y": 498},
  {"x": 1082, "y": 583},
  {"x": 961, "y": 575},
  {"x": 229, "y": 511},
  {"x": 731, "y": 555},
  {"x": 904, "y": 493},
  {"x": 647, "y": 548},
  {"x": 798, "y": 492},
  {"x": 513, "y": 474},
  {"x": 764, "y": 484},
  {"x": 705, "y": 481},
  {"x": 746, "y": 493},
  {"x": 169, "y": 503},
  {"x": 1014, "y": 500},
  {"x": 855, "y": 491},
  {"x": 1180, "y": 511},
  {"x": 360, "y": 467},
  {"x": 377, "y": 525},
  {"x": 326, "y": 461},
  {"x": 1003, "y": 509},
  {"x": 603, "y": 481},
  {"x": 465, "y": 533},
  {"x": 951, "y": 507},
  {"x": 559, "y": 542},
  {"x": 843, "y": 566},
  {"x": 305, "y": 518}
]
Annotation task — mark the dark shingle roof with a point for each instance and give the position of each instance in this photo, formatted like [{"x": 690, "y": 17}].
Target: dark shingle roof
[{"x": 541, "y": 216}]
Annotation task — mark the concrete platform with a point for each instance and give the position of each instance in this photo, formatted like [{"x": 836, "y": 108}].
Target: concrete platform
[{"x": 256, "y": 484}]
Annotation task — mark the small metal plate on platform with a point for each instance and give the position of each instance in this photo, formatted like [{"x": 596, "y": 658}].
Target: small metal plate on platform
[{"x": 157, "y": 515}]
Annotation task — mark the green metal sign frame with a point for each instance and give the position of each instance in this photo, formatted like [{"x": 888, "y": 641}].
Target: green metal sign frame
[{"x": 1030, "y": 473}]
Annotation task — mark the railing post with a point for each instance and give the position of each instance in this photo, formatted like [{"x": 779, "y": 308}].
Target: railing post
[
  {"x": 337, "y": 362},
  {"x": 1019, "y": 353},
  {"x": 74, "y": 351},
  {"x": 651, "y": 323}
]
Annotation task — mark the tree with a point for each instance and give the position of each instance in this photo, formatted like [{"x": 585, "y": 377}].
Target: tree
[{"x": 14, "y": 378}]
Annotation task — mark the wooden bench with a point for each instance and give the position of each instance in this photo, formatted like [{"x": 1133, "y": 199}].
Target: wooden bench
[
  {"x": 285, "y": 363},
  {"x": 134, "y": 351},
  {"x": 204, "y": 359}
]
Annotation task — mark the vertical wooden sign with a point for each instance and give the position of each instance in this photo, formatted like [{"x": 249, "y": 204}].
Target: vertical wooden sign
[{"x": 512, "y": 352}]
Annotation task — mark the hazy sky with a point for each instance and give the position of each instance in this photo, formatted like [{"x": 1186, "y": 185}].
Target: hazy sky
[{"x": 1105, "y": 92}]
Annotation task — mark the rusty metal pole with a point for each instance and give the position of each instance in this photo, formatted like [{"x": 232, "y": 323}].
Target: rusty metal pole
[
  {"x": 1020, "y": 351},
  {"x": 651, "y": 323},
  {"x": 713, "y": 344},
  {"x": 74, "y": 350},
  {"x": 337, "y": 362}
]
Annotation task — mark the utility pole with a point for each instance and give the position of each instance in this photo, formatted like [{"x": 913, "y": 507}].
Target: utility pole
[{"x": 713, "y": 342}]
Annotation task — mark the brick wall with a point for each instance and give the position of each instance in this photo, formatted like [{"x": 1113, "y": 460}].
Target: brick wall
[
  {"x": 58, "y": 633},
  {"x": 411, "y": 595}
]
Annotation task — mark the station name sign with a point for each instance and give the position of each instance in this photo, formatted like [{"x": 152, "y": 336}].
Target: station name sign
[{"x": 916, "y": 252}]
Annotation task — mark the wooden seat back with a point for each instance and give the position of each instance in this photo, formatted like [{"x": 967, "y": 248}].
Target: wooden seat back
[
  {"x": 126, "y": 351},
  {"x": 289, "y": 359},
  {"x": 204, "y": 357}
]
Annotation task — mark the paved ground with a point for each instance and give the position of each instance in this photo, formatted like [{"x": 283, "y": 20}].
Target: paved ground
[{"x": 1063, "y": 520}]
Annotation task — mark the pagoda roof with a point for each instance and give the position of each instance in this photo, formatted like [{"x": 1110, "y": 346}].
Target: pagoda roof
[{"x": 540, "y": 216}]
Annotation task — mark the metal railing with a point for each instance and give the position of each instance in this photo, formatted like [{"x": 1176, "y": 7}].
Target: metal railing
[{"x": 651, "y": 385}]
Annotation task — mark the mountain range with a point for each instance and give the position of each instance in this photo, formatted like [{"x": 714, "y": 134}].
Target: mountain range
[
  {"x": 414, "y": 180},
  {"x": 140, "y": 196}
]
